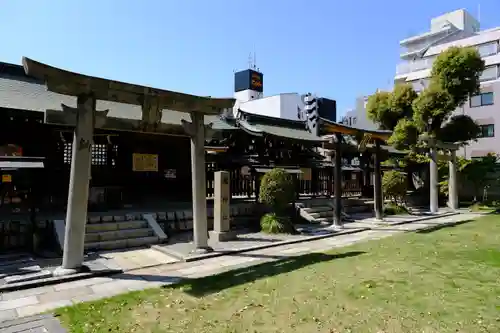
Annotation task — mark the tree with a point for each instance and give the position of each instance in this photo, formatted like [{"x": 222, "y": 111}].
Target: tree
[
  {"x": 395, "y": 185},
  {"x": 277, "y": 191},
  {"x": 454, "y": 77},
  {"x": 481, "y": 173}
]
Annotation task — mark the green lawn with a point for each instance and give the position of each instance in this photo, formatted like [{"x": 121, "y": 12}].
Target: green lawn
[{"x": 447, "y": 280}]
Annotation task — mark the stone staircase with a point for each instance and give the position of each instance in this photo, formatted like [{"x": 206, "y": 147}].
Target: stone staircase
[
  {"x": 20, "y": 267},
  {"x": 118, "y": 233},
  {"x": 321, "y": 211}
]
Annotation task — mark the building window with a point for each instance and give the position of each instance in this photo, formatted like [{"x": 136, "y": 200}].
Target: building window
[
  {"x": 67, "y": 152},
  {"x": 481, "y": 100},
  {"x": 489, "y": 73},
  {"x": 489, "y": 49},
  {"x": 99, "y": 154},
  {"x": 487, "y": 131}
]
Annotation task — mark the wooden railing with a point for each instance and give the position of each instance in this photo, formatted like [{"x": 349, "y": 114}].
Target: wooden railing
[{"x": 321, "y": 184}]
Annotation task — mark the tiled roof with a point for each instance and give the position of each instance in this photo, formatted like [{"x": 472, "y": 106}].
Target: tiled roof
[{"x": 18, "y": 91}]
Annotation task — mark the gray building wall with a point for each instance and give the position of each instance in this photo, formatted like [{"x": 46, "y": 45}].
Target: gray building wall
[{"x": 484, "y": 115}]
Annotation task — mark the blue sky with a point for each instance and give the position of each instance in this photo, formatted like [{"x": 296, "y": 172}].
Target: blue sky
[{"x": 338, "y": 49}]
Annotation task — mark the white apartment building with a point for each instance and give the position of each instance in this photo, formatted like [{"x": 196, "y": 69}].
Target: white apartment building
[
  {"x": 358, "y": 117},
  {"x": 459, "y": 28}
]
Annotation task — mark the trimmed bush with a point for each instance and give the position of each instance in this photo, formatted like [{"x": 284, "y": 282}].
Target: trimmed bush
[{"x": 277, "y": 189}]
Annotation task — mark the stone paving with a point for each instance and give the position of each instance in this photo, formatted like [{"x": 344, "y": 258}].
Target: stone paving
[
  {"x": 33, "y": 324},
  {"x": 29, "y": 302},
  {"x": 181, "y": 245}
]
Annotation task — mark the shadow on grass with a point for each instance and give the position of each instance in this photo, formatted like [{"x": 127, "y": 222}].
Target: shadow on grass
[
  {"x": 437, "y": 227},
  {"x": 215, "y": 283}
]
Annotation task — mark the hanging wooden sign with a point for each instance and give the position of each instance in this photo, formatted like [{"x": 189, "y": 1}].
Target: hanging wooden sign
[{"x": 145, "y": 162}]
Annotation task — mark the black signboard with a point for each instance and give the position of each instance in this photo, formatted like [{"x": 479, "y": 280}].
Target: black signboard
[{"x": 248, "y": 80}]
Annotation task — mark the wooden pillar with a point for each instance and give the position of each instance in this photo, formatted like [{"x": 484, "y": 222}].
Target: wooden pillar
[
  {"x": 377, "y": 183},
  {"x": 338, "y": 181}
]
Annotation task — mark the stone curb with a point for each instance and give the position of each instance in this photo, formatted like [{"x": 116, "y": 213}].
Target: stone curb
[
  {"x": 57, "y": 280},
  {"x": 180, "y": 257},
  {"x": 423, "y": 218},
  {"x": 254, "y": 248}
]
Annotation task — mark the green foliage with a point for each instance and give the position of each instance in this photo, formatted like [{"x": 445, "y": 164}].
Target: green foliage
[
  {"x": 401, "y": 100},
  {"x": 404, "y": 135},
  {"x": 394, "y": 209},
  {"x": 378, "y": 108},
  {"x": 431, "y": 108},
  {"x": 395, "y": 185},
  {"x": 277, "y": 189},
  {"x": 274, "y": 224},
  {"x": 482, "y": 172},
  {"x": 457, "y": 72},
  {"x": 454, "y": 77},
  {"x": 460, "y": 129}
]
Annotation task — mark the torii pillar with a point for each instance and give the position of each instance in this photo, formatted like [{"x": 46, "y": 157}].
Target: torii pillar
[
  {"x": 337, "y": 182},
  {"x": 197, "y": 130},
  {"x": 78, "y": 193},
  {"x": 377, "y": 183},
  {"x": 452, "y": 180}
]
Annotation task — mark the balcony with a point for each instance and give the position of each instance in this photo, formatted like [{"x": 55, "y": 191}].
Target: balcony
[{"x": 413, "y": 66}]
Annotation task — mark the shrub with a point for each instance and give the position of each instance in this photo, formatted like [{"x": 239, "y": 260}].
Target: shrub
[
  {"x": 274, "y": 224},
  {"x": 393, "y": 209},
  {"x": 395, "y": 185},
  {"x": 277, "y": 189}
]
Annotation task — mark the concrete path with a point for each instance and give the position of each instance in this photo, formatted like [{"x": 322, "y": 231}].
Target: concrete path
[
  {"x": 33, "y": 324},
  {"x": 29, "y": 302}
]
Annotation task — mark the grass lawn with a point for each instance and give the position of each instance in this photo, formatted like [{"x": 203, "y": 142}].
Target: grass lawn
[{"x": 447, "y": 280}]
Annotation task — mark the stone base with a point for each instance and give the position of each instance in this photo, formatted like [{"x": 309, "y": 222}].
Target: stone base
[
  {"x": 335, "y": 227},
  {"x": 60, "y": 271},
  {"x": 202, "y": 250},
  {"x": 222, "y": 236}
]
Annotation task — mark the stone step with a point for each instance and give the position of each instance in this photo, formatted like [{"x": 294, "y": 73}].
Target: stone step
[
  {"x": 18, "y": 261},
  {"x": 112, "y": 226},
  {"x": 92, "y": 237},
  {"x": 122, "y": 243},
  {"x": 6, "y": 258},
  {"x": 18, "y": 269},
  {"x": 317, "y": 209},
  {"x": 28, "y": 277}
]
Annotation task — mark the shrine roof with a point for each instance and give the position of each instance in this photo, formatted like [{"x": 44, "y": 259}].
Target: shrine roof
[
  {"x": 19, "y": 91},
  {"x": 330, "y": 127},
  {"x": 69, "y": 83},
  {"x": 260, "y": 125}
]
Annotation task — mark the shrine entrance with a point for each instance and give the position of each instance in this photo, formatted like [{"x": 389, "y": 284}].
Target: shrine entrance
[{"x": 151, "y": 105}]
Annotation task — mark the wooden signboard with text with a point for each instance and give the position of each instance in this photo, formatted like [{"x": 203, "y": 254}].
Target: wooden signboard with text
[{"x": 145, "y": 162}]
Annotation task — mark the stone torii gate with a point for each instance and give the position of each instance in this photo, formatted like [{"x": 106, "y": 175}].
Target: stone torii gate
[
  {"x": 85, "y": 118},
  {"x": 435, "y": 145}
]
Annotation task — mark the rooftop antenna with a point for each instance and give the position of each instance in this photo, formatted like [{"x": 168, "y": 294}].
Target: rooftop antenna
[{"x": 479, "y": 12}]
